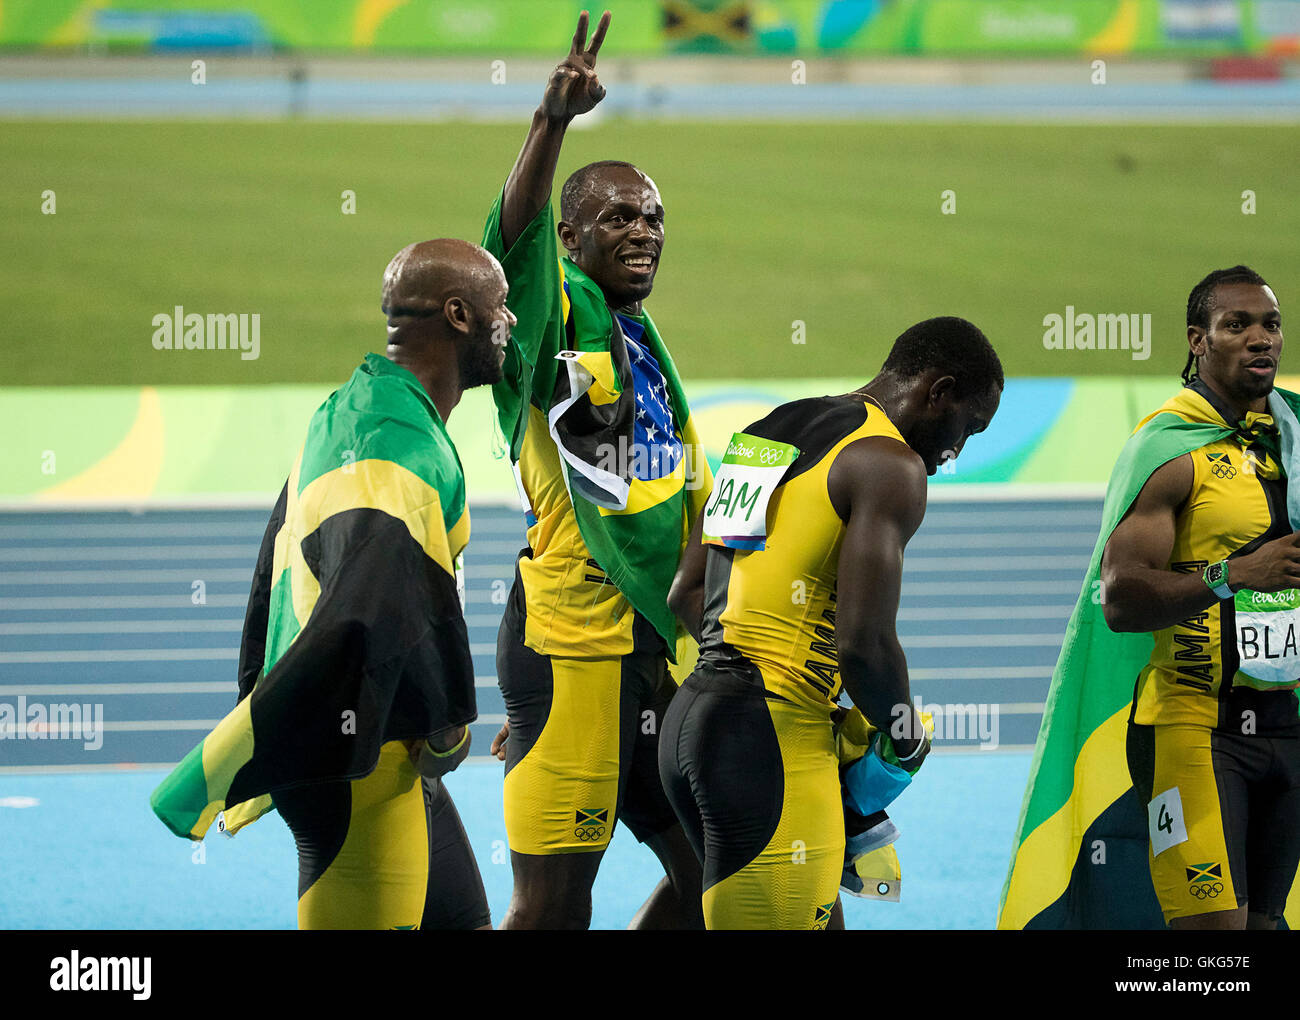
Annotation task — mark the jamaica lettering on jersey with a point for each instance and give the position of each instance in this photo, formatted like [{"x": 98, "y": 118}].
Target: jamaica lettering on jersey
[
  {"x": 1237, "y": 503},
  {"x": 770, "y": 614}
]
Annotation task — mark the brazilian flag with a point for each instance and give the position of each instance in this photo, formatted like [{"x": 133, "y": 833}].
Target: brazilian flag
[
  {"x": 568, "y": 365},
  {"x": 358, "y": 637},
  {"x": 1080, "y": 796}
]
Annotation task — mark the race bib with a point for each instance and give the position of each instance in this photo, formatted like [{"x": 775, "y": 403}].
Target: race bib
[
  {"x": 1268, "y": 635},
  {"x": 736, "y": 516},
  {"x": 1165, "y": 821}
]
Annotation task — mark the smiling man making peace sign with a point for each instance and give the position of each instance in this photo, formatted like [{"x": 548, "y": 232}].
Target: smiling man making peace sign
[{"x": 612, "y": 476}]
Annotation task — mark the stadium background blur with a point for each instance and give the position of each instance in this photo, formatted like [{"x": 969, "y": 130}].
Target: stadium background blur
[{"x": 832, "y": 171}]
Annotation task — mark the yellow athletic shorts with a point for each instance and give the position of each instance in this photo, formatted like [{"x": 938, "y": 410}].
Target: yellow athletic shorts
[
  {"x": 1223, "y": 816},
  {"x": 583, "y": 747},
  {"x": 755, "y": 781}
]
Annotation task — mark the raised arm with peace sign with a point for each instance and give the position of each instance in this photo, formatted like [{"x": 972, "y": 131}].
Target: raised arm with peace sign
[
  {"x": 572, "y": 90},
  {"x": 583, "y": 647}
]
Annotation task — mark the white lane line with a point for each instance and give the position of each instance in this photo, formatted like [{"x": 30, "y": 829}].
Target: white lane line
[
  {"x": 993, "y": 520},
  {"x": 981, "y": 673},
  {"x": 992, "y": 588},
  {"x": 1022, "y": 708},
  {"x": 126, "y": 627},
  {"x": 125, "y": 655},
  {"x": 1004, "y": 708},
  {"x": 113, "y": 577},
  {"x": 488, "y": 547},
  {"x": 135, "y": 529},
  {"x": 68, "y": 730},
  {"x": 142, "y": 687},
  {"x": 1040, "y": 612},
  {"x": 180, "y": 600},
  {"x": 129, "y": 766},
  {"x": 959, "y": 641},
  {"x": 63, "y": 534},
  {"x": 974, "y": 749},
  {"x": 989, "y": 564},
  {"x": 1017, "y": 492},
  {"x": 89, "y": 554},
  {"x": 1072, "y": 541}
]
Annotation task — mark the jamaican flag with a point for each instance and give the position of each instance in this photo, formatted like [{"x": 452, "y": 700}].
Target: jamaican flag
[
  {"x": 356, "y": 636},
  {"x": 607, "y": 391},
  {"x": 1080, "y": 795}
]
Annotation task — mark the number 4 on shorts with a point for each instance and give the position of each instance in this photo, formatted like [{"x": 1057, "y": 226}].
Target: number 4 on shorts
[{"x": 1165, "y": 821}]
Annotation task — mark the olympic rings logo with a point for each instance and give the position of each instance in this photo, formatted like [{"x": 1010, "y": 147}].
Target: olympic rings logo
[
  {"x": 590, "y": 834},
  {"x": 1206, "y": 891}
]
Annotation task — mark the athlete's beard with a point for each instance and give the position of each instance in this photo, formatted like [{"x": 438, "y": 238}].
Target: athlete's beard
[
  {"x": 479, "y": 360},
  {"x": 1248, "y": 388}
]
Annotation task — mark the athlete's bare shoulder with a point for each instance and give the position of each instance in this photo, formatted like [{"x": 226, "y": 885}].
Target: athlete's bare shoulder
[{"x": 881, "y": 476}]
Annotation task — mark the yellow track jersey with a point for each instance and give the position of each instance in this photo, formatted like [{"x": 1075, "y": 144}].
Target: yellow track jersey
[
  {"x": 773, "y": 610},
  {"x": 572, "y": 608},
  {"x": 1237, "y": 503}
]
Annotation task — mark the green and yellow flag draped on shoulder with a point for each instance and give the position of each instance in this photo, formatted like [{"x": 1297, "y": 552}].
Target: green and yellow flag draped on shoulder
[
  {"x": 567, "y": 371},
  {"x": 1081, "y": 848},
  {"x": 355, "y": 634}
]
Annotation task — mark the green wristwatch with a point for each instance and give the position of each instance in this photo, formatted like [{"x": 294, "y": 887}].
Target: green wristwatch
[{"x": 1216, "y": 577}]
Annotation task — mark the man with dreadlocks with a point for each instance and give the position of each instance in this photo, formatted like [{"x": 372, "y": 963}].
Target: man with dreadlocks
[
  {"x": 1167, "y": 774},
  {"x": 1207, "y": 560}
]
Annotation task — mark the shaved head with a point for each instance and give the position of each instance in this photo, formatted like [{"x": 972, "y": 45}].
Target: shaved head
[
  {"x": 447, "y": 315},
  {"x": 423, "y": 277}
]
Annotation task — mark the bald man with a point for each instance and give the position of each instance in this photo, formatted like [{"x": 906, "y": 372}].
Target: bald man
[
  {"x": 355, "y": 608},
  {"x": 612, "y": 476}
]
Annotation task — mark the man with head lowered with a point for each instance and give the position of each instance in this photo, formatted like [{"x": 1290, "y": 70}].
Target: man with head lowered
[
  {"x": 794, "y": 600},
  {"x": 611, "y": 476},
  {"x": 1207, "y": 560},
  {"x": 355, "y": 678}
]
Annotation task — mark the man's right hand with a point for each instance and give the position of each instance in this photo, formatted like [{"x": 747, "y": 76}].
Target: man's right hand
[
  {"x": 909, "y": 754},
  {"x": 1274, "y": 566},
  {"x": 441, "y": 753},
  {"x": 909, "y": 743},
  {"x": 574, "y": 88},
  {"x": 498, "y": 748}
]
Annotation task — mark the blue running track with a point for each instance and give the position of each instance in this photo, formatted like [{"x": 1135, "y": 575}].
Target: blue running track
[{"x": 106, "y": 608}]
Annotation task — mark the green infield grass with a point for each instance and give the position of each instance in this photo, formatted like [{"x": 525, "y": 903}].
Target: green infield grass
[{"x": 830, "y": 234}]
